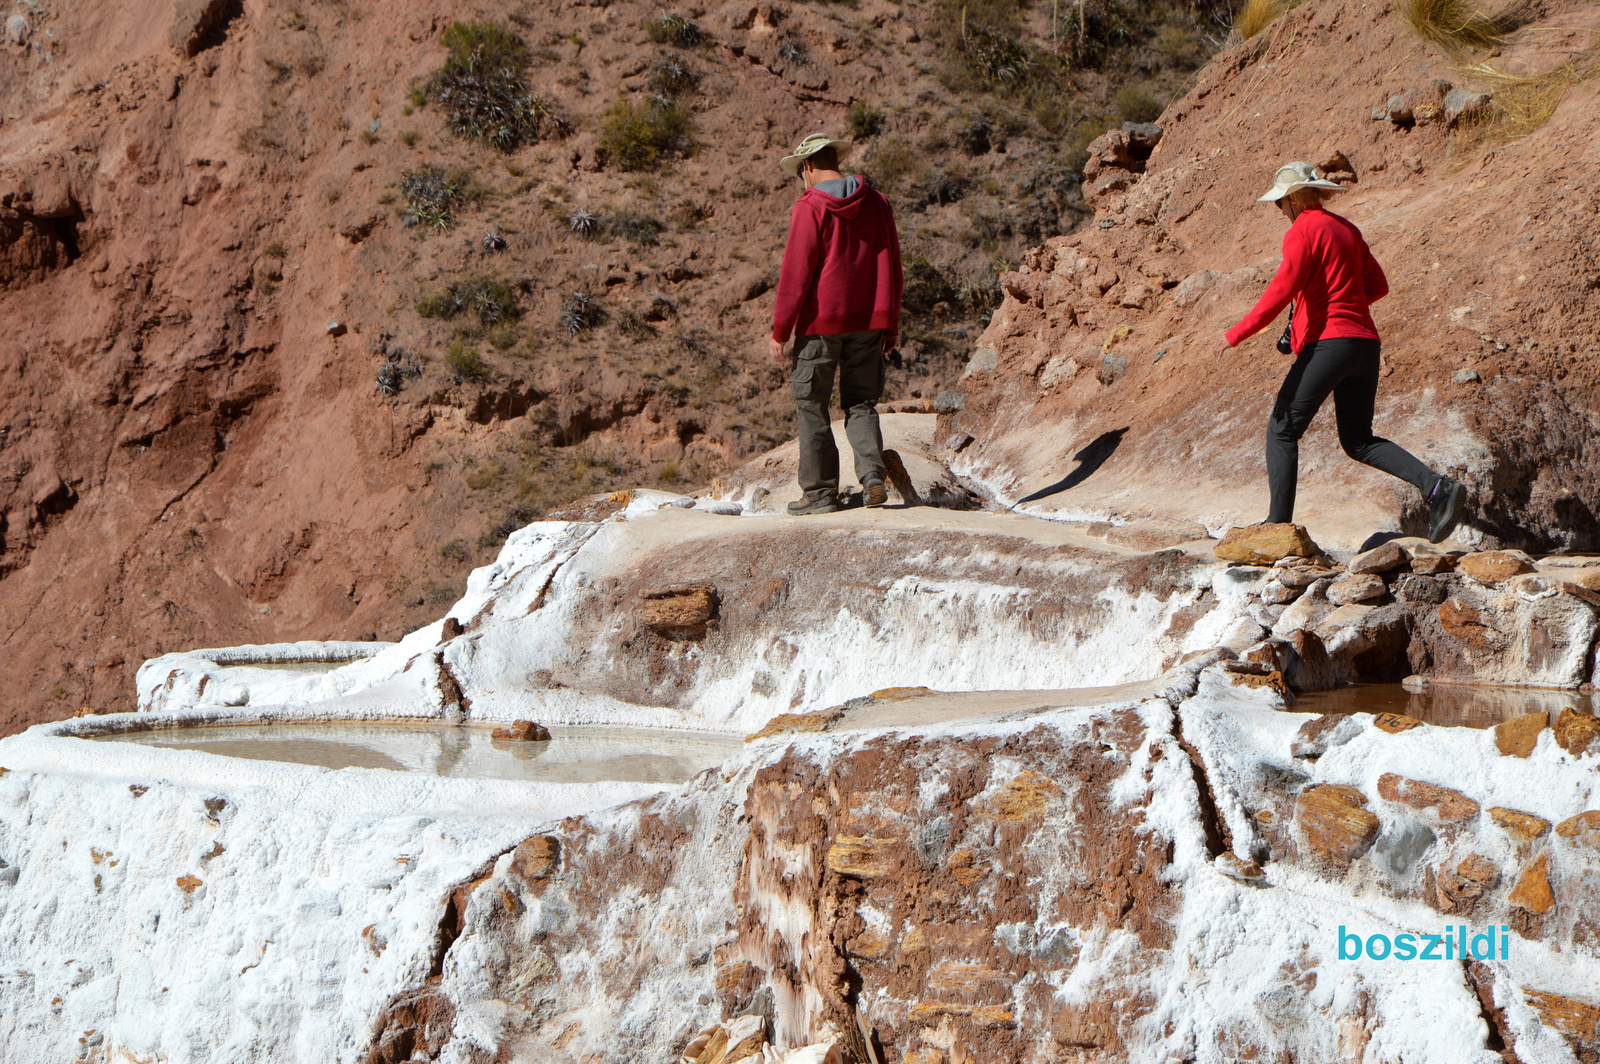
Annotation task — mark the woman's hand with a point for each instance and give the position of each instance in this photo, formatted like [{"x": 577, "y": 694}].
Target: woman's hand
[{"x": 1220, "y": 345}]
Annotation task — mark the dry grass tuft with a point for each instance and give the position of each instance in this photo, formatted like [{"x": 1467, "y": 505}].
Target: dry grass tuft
[
  {"x": 1454, "y": 25},
  {"x": 1521, "y": 104},
  {"x": 1257, "y": 15}
]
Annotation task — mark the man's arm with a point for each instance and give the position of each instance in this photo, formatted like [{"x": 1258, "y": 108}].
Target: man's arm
[
  {"x": 891, "y": 335},
  {"x": 799, "y": 270}
]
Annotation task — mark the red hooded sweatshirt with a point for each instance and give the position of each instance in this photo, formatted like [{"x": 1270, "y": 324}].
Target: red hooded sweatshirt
[
  {"x": 841, "y": 269},
  {"x": 1330, "y": 273}
]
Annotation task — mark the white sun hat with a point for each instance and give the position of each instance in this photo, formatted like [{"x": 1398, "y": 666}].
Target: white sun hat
[
  {"x": 810, "y": 146},
  {"x": 1292, "y": 176}
]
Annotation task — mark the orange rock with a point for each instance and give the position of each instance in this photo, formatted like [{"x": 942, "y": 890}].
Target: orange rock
[
  {"x": 1575, "y": 731},
  {"x": 536, "y": 858},
  {"x": 1517, "y": 737},
  {"x": 1449, "y": 805},
  {"x": 678, "y": 609},
  {"x": 861, "y": 856},
  {"x": 188, "y": 883},
  {"x": 1581, "y": 830},
  {"x": 1380, "y": 559},
  {"x": 1522, "y": 827},
  {"x": 1028, "y": 795},
  {"x": 1335, "y": 821},
  {"x": 1430, "y": 564},
  {"x": 1532, "y": 891},
  {"x": 1264, "y": 544},
  {"x": 1394, "y": 723},
  {"x": 1573, "y": 1018},
  {"x": 523, "y": 731},
  {"x": 1493, "y": 566}
]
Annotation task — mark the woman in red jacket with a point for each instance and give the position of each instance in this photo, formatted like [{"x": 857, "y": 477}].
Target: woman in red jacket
[{"x": 1330, "y": 274}]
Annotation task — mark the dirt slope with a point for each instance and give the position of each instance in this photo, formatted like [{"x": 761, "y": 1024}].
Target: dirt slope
[
  {"x": 1490, "y": 360},
  {"x": 191, "y": 194}
]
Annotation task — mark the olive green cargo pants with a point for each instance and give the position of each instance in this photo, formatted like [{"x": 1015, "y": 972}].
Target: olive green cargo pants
[{"x": 857, "y": 359}]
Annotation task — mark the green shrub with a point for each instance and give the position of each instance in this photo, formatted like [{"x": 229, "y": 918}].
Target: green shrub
[
  {"x": 637, "y": 136},
  {"x": 894, "y": 160},
  {"x": 503, "y": 336},
  {"x": 634, "y": 327},
  {"x": 579, "y": 313},
  {"x": 995, "y": 57},
  {"x": 926, "y": 286},
  {"x": 863, "y": 121},
  {"x": 454, "y": 551},
  {"x": 408, "y": 137},
  {"x": 1134, "y": 103},
  {"x": 431, "y": 194},
  {"x": 674, "y": 29},
  {"x": 483, "y": 89},
  {"x": 638, "y": 227},
  {"x": 671, "y": 75},
  {"x": 484, "y": 296},
  {"x": 465, "y": 363}
]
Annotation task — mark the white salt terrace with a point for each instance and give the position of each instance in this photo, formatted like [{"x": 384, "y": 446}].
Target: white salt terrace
[{"x": 159, "y": 901}]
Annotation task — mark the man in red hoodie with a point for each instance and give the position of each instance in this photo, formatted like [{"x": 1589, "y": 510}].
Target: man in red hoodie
[{"x": 839, "y": 296}]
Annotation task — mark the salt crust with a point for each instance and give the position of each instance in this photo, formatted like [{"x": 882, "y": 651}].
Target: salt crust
[{"x": 189, "y": 907}]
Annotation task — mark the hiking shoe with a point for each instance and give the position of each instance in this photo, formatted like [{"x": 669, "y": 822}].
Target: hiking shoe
[
  {"x": 1444, "y": 508},
  {"x": 873, "y": 493},
  {"x": 824, "y": 502}
]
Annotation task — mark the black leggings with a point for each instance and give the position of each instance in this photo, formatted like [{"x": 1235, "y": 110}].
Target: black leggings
[{"x": 1348, "y": 368}]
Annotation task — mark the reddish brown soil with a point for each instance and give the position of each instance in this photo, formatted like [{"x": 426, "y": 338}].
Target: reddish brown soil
[{"x": 188, "y": 200}]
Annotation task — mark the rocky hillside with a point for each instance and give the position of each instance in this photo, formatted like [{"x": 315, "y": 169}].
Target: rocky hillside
[
  {"x": 1471, "y": 172},
  {"x": 307, "y": 305}
]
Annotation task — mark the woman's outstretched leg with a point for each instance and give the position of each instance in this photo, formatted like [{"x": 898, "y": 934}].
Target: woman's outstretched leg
[{"x": 1305, "y": 387}]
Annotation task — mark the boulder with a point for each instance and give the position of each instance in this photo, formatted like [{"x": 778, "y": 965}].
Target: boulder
[
  {"x": 1432, "y": 563},
  {"x": 1532, "y": 891},
  {"x": 1493, "y": 566},
  {"x": 1461, "y": 104},
  {"x": 677, "y": 610},
  {"x": 1522, "y": 827},
  {"x": 523, "y": 731},
  {"x": 1582, "y": 830},
  {"x": 1303, "y": 575},
  {"x": 1575, "y": 731},
  {"x": 1518, "y": 736},
  {"x": 1309, "y": 668},
  {"x": 1275, "y": 594},
  {"x": 1448, "y": 805},
  {"x": 1423, "y": 589},
  {"x": 1357, "y": 587},
  {"x": 1458, "y": 889},
  {"x": 1320, "y": 734},
  {"x": 1264, "y": 544},
  {"x": 1380, "y": 559},
  {"x": 1335, "y": 822},
  {"x": 536, "y": 858}
]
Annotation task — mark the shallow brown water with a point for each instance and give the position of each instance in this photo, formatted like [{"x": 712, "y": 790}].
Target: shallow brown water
[
  {"x": 573, "y": 755},
  {"x": 1447, "y": 705}
]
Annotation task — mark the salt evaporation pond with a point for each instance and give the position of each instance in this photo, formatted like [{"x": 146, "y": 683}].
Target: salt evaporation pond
[
  {"x": 572, "y": 755},
  {"x": 1445, "y": 705}
]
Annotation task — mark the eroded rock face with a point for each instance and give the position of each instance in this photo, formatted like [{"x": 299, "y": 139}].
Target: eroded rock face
[{"x": 843, "y": 872}]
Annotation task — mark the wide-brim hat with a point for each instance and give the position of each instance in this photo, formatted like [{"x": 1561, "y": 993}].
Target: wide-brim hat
[
  {"x": 810, "y": 146},
  {"x": 1294, "y": 176}
]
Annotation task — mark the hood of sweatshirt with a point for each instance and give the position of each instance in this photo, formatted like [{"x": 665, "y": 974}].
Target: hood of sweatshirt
[{"x": 844, "y": 207}]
